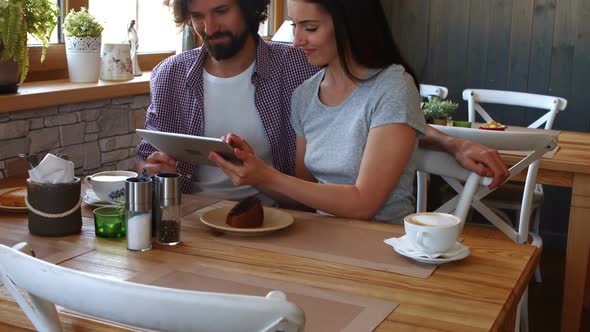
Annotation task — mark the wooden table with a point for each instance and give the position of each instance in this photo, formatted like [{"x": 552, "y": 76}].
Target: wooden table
[
  {"x": 570, "y": 167},
  {"x": 479, "y": 293}
]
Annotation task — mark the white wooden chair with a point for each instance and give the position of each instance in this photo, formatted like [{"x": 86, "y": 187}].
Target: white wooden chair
[
  {"x": 535, "y": 145},
  {"x": 143, "y": 306},
  {"x": 443, "y": 164},
  {"x": 429, "y": 91},
  {"x": 503, "y": 199}
]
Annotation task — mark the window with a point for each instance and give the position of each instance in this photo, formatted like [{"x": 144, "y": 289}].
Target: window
[
  {"x": 154, "y": 25},
  {"x": 266, "y": 28},
  {"x": 153, "y": 21},
  {"x": 56, "y": 36}
]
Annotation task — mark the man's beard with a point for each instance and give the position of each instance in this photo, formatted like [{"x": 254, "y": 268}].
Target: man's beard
[{"x": 225, "y": 51}]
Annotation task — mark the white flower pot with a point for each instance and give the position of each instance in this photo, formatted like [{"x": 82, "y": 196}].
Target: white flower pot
[{"x": 83, "y": 55}]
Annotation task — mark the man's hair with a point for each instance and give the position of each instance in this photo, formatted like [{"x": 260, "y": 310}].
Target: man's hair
[{"x": 254, "y": 11}]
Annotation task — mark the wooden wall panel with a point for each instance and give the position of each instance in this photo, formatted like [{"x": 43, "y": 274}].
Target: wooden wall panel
[
  {"x": 410, "y": 30},
  {"x": 437, "y": 56},
  {"x": 537, "y": 46},
  {"x": 562, "y": 60},
  {"x": 477, "y": 50},
  {"x": 539, "y": 73},
  {"x": 458, "y": 41},
  {"x": 519, "y": 57},
  {"x": 498, "y": 43},
  {"x": 578, "y": 102},
  {"x": 541, "y": 44}
]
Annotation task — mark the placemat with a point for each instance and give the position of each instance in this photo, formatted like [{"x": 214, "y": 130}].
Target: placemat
[
  {"x": 324, "y": 310},
  {"x": 333, "y": 240},
  {"x": 192, "y": 203}
]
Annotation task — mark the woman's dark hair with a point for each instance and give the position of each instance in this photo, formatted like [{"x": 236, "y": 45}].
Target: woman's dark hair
[
  {"x": 254, "y": 11},
  {"x": 361, "y": 27}
]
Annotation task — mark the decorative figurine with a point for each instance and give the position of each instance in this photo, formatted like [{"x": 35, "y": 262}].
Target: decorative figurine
[{"x": 134, "y": 42}]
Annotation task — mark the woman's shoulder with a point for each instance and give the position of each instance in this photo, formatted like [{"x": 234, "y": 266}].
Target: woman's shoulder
[
  {"x": 394, "y": 73},
  {"x": 310, "y": 85}
]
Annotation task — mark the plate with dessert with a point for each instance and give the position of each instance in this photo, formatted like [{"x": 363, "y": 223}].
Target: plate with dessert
[
  {"x": 13, "y": 199},
  {"x": 248, "y": 217}
]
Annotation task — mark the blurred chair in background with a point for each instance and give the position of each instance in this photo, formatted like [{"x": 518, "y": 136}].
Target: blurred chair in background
[{"x": 429, "y": 91}]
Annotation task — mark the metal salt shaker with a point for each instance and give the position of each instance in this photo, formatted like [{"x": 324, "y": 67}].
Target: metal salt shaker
[
  {"x": 168, "y": 196},
  {"x": 138, "y": 213}
]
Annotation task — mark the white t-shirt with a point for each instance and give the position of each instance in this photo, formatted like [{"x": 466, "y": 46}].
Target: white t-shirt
[{"x": 230, "y": 107}]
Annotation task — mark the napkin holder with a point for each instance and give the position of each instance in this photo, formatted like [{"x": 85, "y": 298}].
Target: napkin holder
[{"x": 54, "y": 209}]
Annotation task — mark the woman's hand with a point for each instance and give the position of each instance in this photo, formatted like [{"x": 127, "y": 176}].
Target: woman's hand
[
  {"x": 482, "y": 160},
  {"x": 253, "y": 171},
  {"x": 238, "y": 142}
]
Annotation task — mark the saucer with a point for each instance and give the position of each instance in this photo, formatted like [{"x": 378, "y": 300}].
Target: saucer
[
  {"x": 91, "y": 199},
  {"x": 457, "y": 252}
]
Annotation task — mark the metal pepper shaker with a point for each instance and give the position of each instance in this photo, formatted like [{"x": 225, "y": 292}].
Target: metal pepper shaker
[
  {"x": 168, "y": 196},
  {"x": 138, "y": 213}
]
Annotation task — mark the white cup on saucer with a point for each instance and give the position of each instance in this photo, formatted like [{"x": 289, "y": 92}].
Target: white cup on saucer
[
  {"x": 104, "y": 183},
  {"x": 432, "y": 232}
]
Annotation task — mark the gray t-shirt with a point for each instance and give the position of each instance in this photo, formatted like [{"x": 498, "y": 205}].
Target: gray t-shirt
[{"x": 336, "y": 136}]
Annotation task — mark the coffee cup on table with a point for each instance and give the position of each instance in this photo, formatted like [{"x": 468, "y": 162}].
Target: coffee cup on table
[
  {"x": 105, "y": 183},
  {"x": 432, "y": 232}
]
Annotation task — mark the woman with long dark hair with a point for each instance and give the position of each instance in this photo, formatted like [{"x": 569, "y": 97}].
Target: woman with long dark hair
[{"x": 357, "y": 120}]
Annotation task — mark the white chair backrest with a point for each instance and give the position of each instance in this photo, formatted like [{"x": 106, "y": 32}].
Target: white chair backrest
[
  {"x": 475, "y": 97},
  {"x": 443, "y": 164},
  {"x": 144, "y": 306},
  {"x": 429, "y": 91},
  {"x": 533, "y": 144}
]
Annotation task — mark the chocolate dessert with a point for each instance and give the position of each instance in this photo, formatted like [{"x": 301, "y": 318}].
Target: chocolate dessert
[{"x": 248, "y": 213}]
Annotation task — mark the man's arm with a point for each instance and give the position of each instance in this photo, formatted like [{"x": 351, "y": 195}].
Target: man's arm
[{"x": 471, "y": 155}]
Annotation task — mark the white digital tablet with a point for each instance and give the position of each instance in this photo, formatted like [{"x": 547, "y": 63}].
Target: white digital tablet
[{"x": 188, "y": 148}]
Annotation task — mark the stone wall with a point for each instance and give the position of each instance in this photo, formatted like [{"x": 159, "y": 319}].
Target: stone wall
[{"x": 97, "y": 135}]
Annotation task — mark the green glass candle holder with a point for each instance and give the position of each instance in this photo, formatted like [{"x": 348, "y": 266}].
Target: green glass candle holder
[
  {"x": 463, "y": 124},
  {"x": 109, "y": 222}
]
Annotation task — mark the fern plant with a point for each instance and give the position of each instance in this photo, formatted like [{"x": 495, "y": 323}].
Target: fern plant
[{"x": 19, "y": 18}]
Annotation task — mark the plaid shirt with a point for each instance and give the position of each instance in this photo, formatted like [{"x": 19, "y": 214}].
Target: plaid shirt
[{"x": 177, "y": 103}]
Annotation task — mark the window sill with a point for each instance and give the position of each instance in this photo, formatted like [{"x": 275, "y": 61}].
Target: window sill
[{"x": 58, "y": 92}]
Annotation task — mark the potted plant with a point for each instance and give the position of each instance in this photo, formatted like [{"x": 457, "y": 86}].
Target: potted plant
[
  {"x": 83, "y": 37},
  {"x": 438, "y": 111},
  {"x": 17, "y": 19}
]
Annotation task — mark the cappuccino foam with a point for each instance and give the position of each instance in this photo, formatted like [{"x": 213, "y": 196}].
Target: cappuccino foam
[{"x": 433, "y": 220}]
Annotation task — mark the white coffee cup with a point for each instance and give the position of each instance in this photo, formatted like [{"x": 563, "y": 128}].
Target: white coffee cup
[
  {"x": 104, "y": 183},
  {"x": 432, "y": 232}
]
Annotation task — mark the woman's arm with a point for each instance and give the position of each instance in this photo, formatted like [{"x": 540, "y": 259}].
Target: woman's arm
[{"x": 382, "y": 165}]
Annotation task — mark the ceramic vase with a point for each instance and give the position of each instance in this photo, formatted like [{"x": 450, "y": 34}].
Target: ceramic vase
[
  {"x": 83, "y": 55},
  {"x": 115, "y": 63}
]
